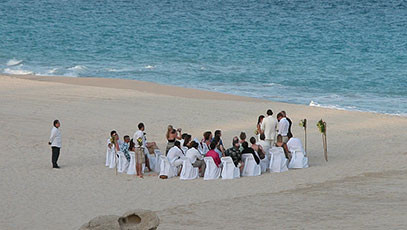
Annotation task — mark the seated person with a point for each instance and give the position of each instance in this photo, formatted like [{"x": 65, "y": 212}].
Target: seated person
[
  {"x": 264, "y": 144},
  {"x": 185, "y": 144},
  {"x": 280, "y": 143},
  {"x": 175, "y": 154},
  {"x": 257, "y": 148},
  {"x": 183, "y": 136},
  {"x": 206, "y": 141},
  {"x": 247, "y": 149},
  {"x": 294, "y": 144},
  {"x": 234, "y": 152},
  {"x": 212, "y": 153},
  {"x": 219, "y": 148},
  {"x": 196, "y": 158},
  {"x": 124, "y": 147},
  {"x": 242, "y": 139}
]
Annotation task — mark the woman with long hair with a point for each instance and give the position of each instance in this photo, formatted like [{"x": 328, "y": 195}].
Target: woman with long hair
[{"x": 258, "y": 127}]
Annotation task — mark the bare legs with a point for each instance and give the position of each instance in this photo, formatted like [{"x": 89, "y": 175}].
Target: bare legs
[{"x": 139, "y": 170}]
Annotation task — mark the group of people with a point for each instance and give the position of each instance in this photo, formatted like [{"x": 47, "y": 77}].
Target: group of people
[
  {"x": 271, "y": 132},
  {"x": 136, "y": 146}
]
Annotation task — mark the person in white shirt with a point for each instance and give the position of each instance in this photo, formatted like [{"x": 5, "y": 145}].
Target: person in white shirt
[
  {"x": 146, "y": 145},
  {"x": 196, "y": 157},
  {"x": 175, "y": 155},
  {"x": 55, "y": 141},
  {"x": 269, "y": 127},
  {"x": 283, "y": 126}
]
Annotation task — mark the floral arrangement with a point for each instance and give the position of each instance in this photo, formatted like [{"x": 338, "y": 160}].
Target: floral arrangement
[
  {"x": 303, "y": 123},
  {"x": 140, "y": 141},
  {"x": 322, "y": 128}
]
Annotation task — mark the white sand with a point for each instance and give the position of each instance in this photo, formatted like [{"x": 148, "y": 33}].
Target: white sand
[{"x": 363, "y": 186}]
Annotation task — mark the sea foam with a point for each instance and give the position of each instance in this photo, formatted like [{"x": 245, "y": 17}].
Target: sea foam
[
  {"x": 13, "y": 62},
  {"x": 17, "y": 71}
]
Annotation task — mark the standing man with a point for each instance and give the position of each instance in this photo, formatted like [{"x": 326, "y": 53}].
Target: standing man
[
  {"x": 289, "y": 121},
  {"x": 269, "y": 127},
  {"x": 146, "y": 145},
  {"x": 283, "y": 126},
  {"x": 55, "y": 142}
]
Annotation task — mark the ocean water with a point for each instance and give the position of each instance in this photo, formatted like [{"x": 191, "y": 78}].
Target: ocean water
[{"x": 342, "y": 54}]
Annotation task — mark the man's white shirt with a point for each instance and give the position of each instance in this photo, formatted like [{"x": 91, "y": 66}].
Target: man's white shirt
[
  {"x": 283, "y": 126},
  {"x": 137, "y": 135},
  {"x": 56, "y": 137}
]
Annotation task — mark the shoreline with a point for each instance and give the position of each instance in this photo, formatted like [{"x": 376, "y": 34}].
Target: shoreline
[{"x": 170, "y": 90}]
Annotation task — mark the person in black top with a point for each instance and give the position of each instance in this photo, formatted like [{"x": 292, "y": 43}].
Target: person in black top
[
  {"x": 289, "y": 122},
  {"x": 247, "y": 149}
]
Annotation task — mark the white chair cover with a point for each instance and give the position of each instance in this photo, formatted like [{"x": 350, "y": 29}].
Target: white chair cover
[
  {"x": 113, "y": 158},
  {"x": 107, "y": 157},
  {"x": 158, "y": 154},
  {"x": 298, "y": 160},
  {"x": 188, "y": 172},
  {"x": 250, "y": 168},
  {"x": 132, "y": 165},
  {"x": 123, "y": 164},
  {"x": 166, "y": 168},
  {"x": 278, "y": 162},
  {"x": 212, "y": 171},
  {"x": 110, "y": 152},
  {"x": 204, "y": 149},
  {"x": 264, "y": 163},
  {"x": 184, "y": 149},
  {"x": 229, "y": 170}
]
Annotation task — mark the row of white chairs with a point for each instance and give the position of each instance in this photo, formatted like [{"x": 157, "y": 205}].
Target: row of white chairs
[
  {"x": 275, "y": 162},
  {"x": 117, "y": 159}
]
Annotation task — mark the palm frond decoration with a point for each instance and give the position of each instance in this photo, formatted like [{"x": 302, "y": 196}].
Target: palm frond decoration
[
  {"x": 322, "y": 128},
  {"x": 303, "y": 123}
]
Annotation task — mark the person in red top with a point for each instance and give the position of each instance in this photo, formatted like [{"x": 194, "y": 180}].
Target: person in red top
[{"x": 212, "y": 153}]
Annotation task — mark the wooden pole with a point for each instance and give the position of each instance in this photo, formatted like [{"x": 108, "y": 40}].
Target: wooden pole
[
  {"x": 325, "y": 144},
  {"x": 305, "y": 131},
  {"x": 115, "y": 163}
]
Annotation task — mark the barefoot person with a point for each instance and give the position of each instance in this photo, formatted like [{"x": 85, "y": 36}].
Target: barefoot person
[
  {"x": 146, "y": 145},
  {"x": 55, "y": 142},
  {"x": 136, "y": 146}
]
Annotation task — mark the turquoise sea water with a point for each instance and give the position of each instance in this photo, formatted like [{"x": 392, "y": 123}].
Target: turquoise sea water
[{"x": 342, "y": 54}]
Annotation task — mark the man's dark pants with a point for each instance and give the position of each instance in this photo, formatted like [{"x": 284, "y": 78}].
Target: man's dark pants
[{"x": 55, "y": 156}]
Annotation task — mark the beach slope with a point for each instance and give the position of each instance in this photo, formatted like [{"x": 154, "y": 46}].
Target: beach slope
[{"x": 363, "y": 186}]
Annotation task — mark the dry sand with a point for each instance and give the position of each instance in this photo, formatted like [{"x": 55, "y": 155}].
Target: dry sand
[{"x": 363, "y": 186}]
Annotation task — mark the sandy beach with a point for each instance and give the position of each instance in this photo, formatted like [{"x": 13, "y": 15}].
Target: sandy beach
[{"x": 362, "y": 186}]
